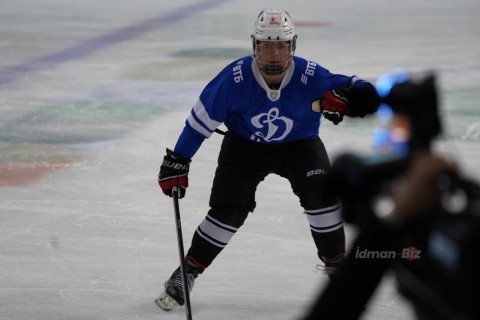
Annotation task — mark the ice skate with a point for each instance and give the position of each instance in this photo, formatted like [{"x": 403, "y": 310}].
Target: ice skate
[
  {"x": 173, "y": 296},
  {"x": 331, "y": 266}
]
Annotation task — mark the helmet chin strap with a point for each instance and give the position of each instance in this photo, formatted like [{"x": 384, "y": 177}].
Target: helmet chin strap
[
  {"x": 272, "y": 71},
  {"x": 275, "y": 70}
]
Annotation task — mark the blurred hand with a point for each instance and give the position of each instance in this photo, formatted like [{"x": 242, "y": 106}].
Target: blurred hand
[{"x": 420, "y": 189}]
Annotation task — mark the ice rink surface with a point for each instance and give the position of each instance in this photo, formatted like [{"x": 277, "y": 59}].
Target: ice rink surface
[{"x": 91, "y": 94}]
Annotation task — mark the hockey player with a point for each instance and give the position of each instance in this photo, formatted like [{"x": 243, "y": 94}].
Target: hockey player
[{"x": 272, "y": 103}]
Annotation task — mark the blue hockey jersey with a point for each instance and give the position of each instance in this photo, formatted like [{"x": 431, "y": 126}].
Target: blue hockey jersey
[{"x": 240, "y": 98}]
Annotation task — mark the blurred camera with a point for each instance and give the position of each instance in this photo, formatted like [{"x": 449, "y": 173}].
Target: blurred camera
[
  {"x": 441, "y": 284},
  {"x": 409, "y": 110}
]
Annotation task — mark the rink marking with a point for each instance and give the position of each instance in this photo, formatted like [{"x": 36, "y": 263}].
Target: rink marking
[
  {"x": 21, "y": 174},
  {"x": 472, "y": 132},
  {"x": 23, "y": 163},
  {"x": 95, "y": 44},
  {"x": 311, "y": 24}
]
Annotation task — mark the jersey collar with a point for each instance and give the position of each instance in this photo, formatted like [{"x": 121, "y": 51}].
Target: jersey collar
[{"x": 273, "y": 95}]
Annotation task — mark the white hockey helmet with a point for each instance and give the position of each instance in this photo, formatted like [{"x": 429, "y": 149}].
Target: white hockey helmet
[{"x": 273, "y": 25}]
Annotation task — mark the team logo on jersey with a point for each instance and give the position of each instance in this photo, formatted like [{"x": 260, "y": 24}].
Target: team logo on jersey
[{"x": 277, "y": 127}]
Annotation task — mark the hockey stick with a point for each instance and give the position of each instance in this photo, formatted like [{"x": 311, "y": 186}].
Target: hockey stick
[{"x": 186, "y": 291}]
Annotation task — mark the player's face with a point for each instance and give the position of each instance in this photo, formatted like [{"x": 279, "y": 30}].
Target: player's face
[{"x": 273, "y": 56}]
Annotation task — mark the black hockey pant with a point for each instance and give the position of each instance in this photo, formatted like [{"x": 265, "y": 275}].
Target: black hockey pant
[{"x": 242, "y": 165}]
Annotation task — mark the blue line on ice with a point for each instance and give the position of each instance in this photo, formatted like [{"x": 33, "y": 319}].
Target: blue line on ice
[{"x": 92, "y": 45}]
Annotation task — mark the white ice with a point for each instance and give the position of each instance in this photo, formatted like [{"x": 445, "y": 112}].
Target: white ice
[{"x": 95, "y": 239}]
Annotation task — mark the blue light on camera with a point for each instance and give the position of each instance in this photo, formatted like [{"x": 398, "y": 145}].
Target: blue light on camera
[
  {"x": 385, "y": 113},
  {"x": 387, "y": 139},
  {"x": 386, "y": 82}
]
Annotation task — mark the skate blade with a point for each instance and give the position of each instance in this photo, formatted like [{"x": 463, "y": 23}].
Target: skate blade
[{"x": 165, "y": 302}]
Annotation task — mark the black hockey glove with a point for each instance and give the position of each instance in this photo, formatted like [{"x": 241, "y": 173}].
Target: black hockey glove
[
  {"x": 362, "y": 101},
  {"x": 334, "y": 105},
  {"x": 174, "y": 173}
]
